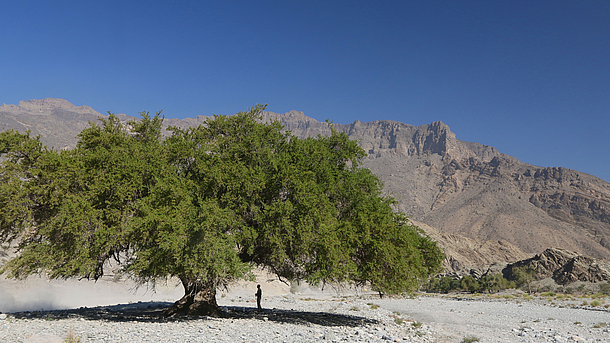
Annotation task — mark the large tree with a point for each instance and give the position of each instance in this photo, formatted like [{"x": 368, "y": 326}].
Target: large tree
[{"x": 205, "y": 205}]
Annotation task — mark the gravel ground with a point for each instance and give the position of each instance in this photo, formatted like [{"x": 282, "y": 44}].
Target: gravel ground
[
  {"x": 506, "y": 320},
  {"x": 299, "y": 318}
]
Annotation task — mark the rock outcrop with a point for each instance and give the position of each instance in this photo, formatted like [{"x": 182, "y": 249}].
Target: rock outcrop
[{"x": 563, "y": 266}]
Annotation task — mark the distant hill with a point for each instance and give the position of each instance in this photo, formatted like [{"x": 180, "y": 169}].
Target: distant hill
[
  {"x": 481, "y": 205},
  {"x": 56, "y": 120}
]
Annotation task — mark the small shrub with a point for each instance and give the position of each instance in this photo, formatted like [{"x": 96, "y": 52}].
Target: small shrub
[
  {"x": 416, "y": 324},
  {"x": 71, "y": 337},
  {"x": 398, "y": 321},
  {"x": 577, "y": 323},
  {"x": 601, "y": 325},
  {"x": 355, "y": 308},
  {"x": 470, "y": 339},
  {"x": 595, "y": 303}
]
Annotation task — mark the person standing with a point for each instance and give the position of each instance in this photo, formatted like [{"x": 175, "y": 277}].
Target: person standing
[{"x": 259, "y": 295}]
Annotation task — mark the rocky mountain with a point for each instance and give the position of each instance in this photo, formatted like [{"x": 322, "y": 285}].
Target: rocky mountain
[
  {"x": 473, "y": 191},
  {"x": 481, "y": 205}
]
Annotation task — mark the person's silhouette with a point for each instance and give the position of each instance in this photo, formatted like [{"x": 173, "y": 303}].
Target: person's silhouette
[{"x": 259, "y": 295}]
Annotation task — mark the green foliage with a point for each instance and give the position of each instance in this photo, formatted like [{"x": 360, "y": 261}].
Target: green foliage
[
  {"x": 469, "y": 283},
  {"x": 495, "y": 283},
  {"x": 488, "y": 283},
  {"x": 205, "y": 205},
  {"x": 443, "y": 284},
  {"x": 524, "y": 276},
  {"x": 72, "y": 210}
]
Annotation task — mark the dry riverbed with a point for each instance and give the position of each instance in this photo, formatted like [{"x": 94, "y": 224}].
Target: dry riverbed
[
  {"x": 39, "y": 310},
  {"x": 324, "y": 317}
]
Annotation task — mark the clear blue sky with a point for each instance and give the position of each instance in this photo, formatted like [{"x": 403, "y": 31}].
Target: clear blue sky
[{"x": 531, "y": 78}]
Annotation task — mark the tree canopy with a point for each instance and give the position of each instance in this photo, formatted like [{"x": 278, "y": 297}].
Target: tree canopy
[{"x": 205, "y": 205}]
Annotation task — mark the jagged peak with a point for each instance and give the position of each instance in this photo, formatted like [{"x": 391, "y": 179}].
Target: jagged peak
[
  {"x": 383, "y": 137},
  {"x": 438, "y": 126}
]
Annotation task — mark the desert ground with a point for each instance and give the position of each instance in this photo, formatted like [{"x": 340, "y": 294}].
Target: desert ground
[{"x": 114, "y": 310}]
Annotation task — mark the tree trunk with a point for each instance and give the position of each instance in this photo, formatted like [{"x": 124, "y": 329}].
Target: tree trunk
[{"x": 199, "y": 299}]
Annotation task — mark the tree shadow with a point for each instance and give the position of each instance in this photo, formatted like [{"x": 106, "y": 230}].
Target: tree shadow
[
  {"x": 299, "y": 317},
  {"x": 153, "y": 312},
  {"x": 140, "y": 311}
]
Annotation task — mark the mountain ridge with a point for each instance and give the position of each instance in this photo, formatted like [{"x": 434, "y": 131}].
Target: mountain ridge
[{"x": 475, "y": 200}]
